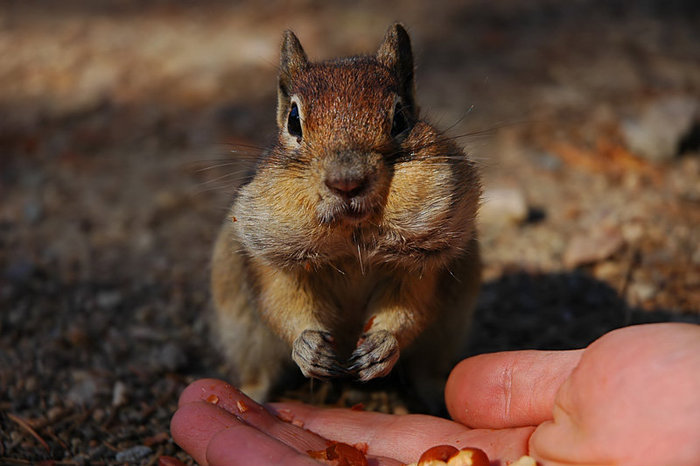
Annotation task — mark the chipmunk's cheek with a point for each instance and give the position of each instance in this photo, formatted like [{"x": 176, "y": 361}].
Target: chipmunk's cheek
[
  {"x": 279, "y": 225},
  {"x": 412, "y": 201}
]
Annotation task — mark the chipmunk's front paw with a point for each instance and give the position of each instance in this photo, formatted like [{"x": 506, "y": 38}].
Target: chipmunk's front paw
[
  {"x": 375, "y": 355},
  {"x": 314, "y": 353}
]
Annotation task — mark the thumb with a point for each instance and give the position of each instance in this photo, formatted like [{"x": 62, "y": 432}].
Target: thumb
[{"x": 508, "y": 389}]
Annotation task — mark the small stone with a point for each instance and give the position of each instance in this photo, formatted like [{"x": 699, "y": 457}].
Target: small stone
[
  {"x": 503, "y": 205},
  {"x": 54, "y": 413},
  {"x": 607, "y": 270},
  {"x": 641, "y": 291},
  {"x": 108, "y": 299},
  {"x": 656, "y": 134},
  {"x": 119, "y": 393},
  {"x": 133, "y": 454},
  {"x": 171, "y": 357},
  {"x": 85, "y": 389},
  {"x": 591, "y": 247}
]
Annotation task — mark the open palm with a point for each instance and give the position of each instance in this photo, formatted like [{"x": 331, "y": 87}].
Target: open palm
[{"x": 628, "y": 399}]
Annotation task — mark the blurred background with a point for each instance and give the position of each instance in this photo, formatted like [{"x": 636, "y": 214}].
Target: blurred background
[{"x": 120, "y": 120}]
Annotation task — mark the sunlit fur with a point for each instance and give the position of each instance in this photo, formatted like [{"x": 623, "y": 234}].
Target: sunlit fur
[{"x": 300, "y": 256}]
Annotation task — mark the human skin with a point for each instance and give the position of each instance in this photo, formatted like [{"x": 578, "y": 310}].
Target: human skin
[{"x": 630, "y": 398}]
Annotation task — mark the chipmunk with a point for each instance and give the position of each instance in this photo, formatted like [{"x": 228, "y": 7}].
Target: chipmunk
[{"x": 354, "y": 242}]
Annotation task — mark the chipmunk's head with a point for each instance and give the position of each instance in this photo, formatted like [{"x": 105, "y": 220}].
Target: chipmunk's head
[
  {"x": 354, "y": 168},
  {"x": 344, "y": 120}
]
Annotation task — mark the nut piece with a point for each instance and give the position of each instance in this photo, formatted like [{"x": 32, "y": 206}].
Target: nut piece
[
  {"x": 469, "y": 457},
  {"x": 437, "y": 455},
  {"x": 242, "y": 407},
  {"x": 448, "y": 455},
  {"x": 339, "y": 454},
  {"x": 524, "y": 461}
]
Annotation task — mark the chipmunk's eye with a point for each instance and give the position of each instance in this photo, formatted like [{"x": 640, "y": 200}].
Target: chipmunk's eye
[
  {"x": 294, "y": 122},
  {"x": 400, "y": 122}
]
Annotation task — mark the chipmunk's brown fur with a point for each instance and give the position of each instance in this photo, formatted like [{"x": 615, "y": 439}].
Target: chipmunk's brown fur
[{"x": 355, "y": 240}]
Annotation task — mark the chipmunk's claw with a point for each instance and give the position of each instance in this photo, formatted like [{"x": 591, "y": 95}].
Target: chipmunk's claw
[
  {"x": 375, "y": 355},
  {"x": 314, "y": 353}
]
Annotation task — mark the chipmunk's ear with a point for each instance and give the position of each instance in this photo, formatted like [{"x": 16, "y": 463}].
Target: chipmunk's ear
[
  {"x": 292, "y": 58},
  {"x": 292, "y": 61},
  {"x": 395, "y": 53}
]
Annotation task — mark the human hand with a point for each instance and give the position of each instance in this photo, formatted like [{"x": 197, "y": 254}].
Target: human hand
[
  {"x": 630, "y": 398},
  {"x": 633, "y": 388},
  {"x": 218, "y": 425}
]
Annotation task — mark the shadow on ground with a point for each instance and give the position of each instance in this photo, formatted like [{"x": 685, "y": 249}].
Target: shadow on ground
[{"x": 553, "y": 311}]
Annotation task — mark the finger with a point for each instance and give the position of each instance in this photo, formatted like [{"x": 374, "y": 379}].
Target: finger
[
  {"x": 213, "y": 435},
  {"x": 245, "y": 445},
  {"x": 509, "y": 389},
  {"x": 193, "y": 425},
  {"x": 202, "y": 389},
  {"x": 229, "y": 399},
  {"x": 406, "y": 437}
]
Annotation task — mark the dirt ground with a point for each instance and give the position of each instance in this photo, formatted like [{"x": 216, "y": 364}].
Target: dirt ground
[{"x": 118, "y": 120}]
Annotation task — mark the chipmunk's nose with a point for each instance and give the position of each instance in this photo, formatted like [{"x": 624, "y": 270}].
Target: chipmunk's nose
[{"x": 347, "y": 187}]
